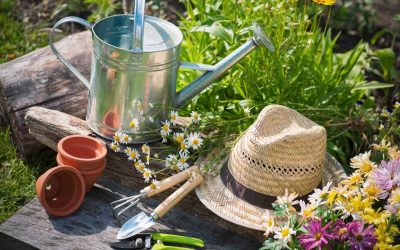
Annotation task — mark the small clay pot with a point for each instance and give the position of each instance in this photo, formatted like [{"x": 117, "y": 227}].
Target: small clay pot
[
  {"x": 90, "y": 176},
  {"x": 81, "y": 152},
  {"x": 61, "y": 190}
]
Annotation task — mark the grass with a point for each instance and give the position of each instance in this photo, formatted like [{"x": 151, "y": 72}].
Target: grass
[
  {"x": 17, "y": 177},
  {"x": 16, "y": 38}
]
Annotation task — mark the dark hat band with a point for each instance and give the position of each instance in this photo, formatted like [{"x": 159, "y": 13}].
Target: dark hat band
[{"x": 253, "y": 197}]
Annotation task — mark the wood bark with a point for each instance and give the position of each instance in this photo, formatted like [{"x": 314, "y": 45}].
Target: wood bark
[
  {"x": 40, "y": 79},
  {"x": 93, "y": 227},
  {"x": 49, "y": 126}
]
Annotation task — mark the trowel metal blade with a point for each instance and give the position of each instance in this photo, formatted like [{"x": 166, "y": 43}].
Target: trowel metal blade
[{"x": 135, "y": 225}]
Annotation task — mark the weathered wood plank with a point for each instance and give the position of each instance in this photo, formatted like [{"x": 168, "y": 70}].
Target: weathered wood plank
[
  {"x": 49, "y": 126},
  {"x": 93, "y": 227},
  {"x": 39, "y": 78}
]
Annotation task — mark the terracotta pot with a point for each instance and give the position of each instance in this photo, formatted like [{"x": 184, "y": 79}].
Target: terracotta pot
[
  {"x": 81, "y": 152},
  {"x": 90, "y": 176},
  {"x": 61, "y": 190}
]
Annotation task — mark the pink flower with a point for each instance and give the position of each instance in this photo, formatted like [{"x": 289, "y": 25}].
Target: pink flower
[
  {"x": 360, "y": 238},
  {"x": 340, "y": 231},
  {"x": 387, "y": 177},
  {"x": 317, "y": 236}
]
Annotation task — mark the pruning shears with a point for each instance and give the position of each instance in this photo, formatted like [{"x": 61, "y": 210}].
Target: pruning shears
[{"x": 155, "y": 241}]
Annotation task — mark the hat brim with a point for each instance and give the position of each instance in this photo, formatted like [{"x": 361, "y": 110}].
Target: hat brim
[{"x": 220, "y": 200}]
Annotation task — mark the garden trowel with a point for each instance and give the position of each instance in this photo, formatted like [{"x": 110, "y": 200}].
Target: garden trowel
[{"x": 141, "y": 222}]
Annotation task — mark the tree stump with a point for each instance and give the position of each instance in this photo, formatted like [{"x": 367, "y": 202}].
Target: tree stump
[{"x": 40, "y": 79}]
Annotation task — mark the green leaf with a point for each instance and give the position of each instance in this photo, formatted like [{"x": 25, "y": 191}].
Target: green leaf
[
  {"x": 215, "y": 29},
  {"x": 374, "y": 85},
  {"x": 387, "y": 60}
]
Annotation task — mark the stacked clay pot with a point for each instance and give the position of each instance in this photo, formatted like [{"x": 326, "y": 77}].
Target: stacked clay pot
[
  {"x": 81, "y": 161},
  {"x": 61, "y": 190},
  {"x": 86, "y": 154}
]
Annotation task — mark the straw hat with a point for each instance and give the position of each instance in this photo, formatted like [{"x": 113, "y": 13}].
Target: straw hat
[{"x": 281, "y": 150}]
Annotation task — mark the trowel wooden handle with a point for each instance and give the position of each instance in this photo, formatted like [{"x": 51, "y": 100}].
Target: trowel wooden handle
[
  {"x": 178, "y": 195},
  {"x": 171, "y": 181}
]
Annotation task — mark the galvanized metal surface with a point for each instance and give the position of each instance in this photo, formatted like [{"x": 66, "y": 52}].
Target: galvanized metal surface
[{"x": 134, "y": 71}]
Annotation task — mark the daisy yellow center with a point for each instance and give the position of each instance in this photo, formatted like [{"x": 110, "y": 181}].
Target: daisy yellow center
[
  {"x": 317, "y": 236},
  {"x": 146, "y": 174},
  {"x": 366, "y": 167},
  {"x": 270, "y": 222},
  {"x": 126, "y": 138},
  {"x": 183, "y": 146},
  {"x": 342, "y": 231},
  {"x": 173, "y": 117},
  {"x": 153, "y": 186},
  {"x": 196, "y": 116},
  {"x": 133, "y": 154},
  {"x": 175, "y": 167},
  {"x": 182, "y": 160},
  {"x": 113, "y": 146},
  {"x": 165, "y": 127},
  {"x": 116, "y": 137},
  {"x": 285, "y": 232},
  {"x": 141, "y": 167},
  {"x": 195, "y": 141},
  {"x": 372, "y": 191},
  {"x": 307, "y": 213},
  {"x": 132, "y": 124},
  {"x": 355, "y": 179},
  {"x": 179, "y": 139}
]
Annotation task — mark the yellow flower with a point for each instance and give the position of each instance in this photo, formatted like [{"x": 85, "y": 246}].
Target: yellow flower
[
  {"x": 139, "y": 166},
  {"x": 357, "y": 204},
  {"x": 325, "y": 2},
  {"x": 385, "y": 235},
  {"x": 354, "y": 179},
  {"x": 145, "y": 149},
  {"x": 134, "y": 124},
  {"x": 372, "y": 191},
  {"x": 155, "y": 185},
  {"x": 331, "y": 197},
  {"x": 362, "y": 162},
  {"x": 179, "y": 137},
  {"x": 375, "y": 217},
  {"x": 394, "y": 154}
]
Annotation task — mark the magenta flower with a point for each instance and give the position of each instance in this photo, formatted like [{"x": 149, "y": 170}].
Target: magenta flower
[
  {"x": 360, "y": 238},
  {"x": 317, "y": 236},
  {"x": 340, "y": 231},
  {"x": 387, "y": 177}
]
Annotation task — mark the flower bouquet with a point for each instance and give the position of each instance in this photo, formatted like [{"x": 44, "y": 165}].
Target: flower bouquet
[{"x": 362, "y": 212}]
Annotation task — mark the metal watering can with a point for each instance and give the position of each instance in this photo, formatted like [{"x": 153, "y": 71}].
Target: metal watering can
[{"x": 134, "y": 71}]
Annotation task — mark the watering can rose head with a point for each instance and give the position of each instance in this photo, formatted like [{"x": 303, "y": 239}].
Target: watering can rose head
[{"x": 137, "y": 58}]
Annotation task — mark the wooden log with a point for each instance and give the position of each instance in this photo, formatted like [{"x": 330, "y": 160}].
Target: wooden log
[
  {"x": 49, "y": 126},
  {"x": 93, "y": 227},
  {"x": 40, "y": 79}
]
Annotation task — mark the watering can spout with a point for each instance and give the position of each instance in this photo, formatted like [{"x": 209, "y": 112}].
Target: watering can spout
[{"x": 213, "y": 72}]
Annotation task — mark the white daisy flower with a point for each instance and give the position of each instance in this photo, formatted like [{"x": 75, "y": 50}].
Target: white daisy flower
[
  {"x": 134, "y": 155},
  {"x": 317, "y": 197},
  {"x": 174, "y": 117},
  {"x": 125, "y": 138},
  {"x": 396, "y": 105},
  {"x": 166, "y": 128},
  {"x": 287, "y": 199},
  {"x": 179, "y": 137},
  {"x": 182, "y": 164},
  {"x": 195, "y": 117},
  {"x": 148, "y": 159},
  {"x": 283, "y": 235},
  {"x": 307, "y": 210},
  {"x": 154, "y": 185},
  {"x": 164, "y": 139},
  {"x": 134, "y": 124},
  {"x": 192, "y": 175},
  {"x": 147, "y": 174},
  {"x": 156, "y": 156},
  {"x": 363, "y": 163},
  {"x": 195, "y": 141},
  {"x": 118, "y": 137},
  {"x": 114, "y": 146},
  {"x": 184, "y": 149},
  {"x": 268, "y": 223},
  {"x": 145, "y": 149},
  {"x": 151, "y": 119},
  {"x": 139, "y": 165}
]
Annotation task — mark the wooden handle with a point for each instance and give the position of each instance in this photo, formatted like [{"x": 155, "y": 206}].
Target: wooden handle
[
  {"x": 178, "y": 195},
  {"x": 171, "y": 181}
]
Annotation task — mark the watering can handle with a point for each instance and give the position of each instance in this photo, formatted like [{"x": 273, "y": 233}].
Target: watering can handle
[
  {"x": 138, "y": 27},
  {"x": 57, "y": 53}
]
